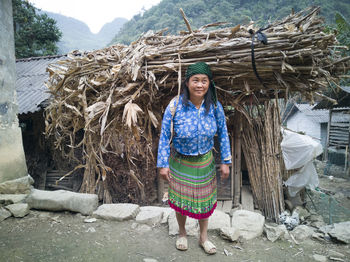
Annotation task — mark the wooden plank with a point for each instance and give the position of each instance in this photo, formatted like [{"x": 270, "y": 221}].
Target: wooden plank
[
  {"x": 247, "y": 199},
  {"x": 227, "y": 206}
]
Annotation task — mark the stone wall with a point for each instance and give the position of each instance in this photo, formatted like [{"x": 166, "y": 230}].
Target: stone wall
[{"x": 12, "y": 160}]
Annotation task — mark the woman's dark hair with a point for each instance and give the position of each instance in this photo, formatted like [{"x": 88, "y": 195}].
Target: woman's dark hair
[{"x": 208, "y": 99}]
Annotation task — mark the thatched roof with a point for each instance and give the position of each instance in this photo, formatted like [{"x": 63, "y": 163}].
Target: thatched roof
[{"x": 117, "y": 94}]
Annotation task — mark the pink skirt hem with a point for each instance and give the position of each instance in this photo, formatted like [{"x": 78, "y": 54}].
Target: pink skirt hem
[{"x": 190, "y": 214}]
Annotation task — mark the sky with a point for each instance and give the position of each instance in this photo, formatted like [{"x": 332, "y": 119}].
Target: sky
[{"x": 95, "y": 13}]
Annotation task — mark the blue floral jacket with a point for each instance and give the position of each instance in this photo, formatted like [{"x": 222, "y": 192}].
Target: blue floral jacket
[{"x": 194, "y": 132}]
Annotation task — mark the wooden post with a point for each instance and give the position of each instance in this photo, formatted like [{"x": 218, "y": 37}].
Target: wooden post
[
  {"x": 328, "y": 132},
  {"x": 237, "y": 158}
]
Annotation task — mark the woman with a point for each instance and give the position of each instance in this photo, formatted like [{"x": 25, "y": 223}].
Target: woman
[{"x": 190, "y": 124}]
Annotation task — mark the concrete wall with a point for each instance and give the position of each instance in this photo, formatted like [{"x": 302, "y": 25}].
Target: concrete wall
[{"x": 12, "y": 160}]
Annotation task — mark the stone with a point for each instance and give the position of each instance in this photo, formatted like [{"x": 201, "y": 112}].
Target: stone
[
  {"x": 303, "y": 213},
  {"x": 8, "y": 199},
  {"x": 150, "y": 260},
  {"x": 62, "y": 200},
  {"x": 250, "y": 224},
  {"x": 229, "y": 233},
  {"x": 316, "y": 221},
  {"x": 150, "y": 215},
  {"x": 91, "y": 230},
  {"x": 339, "y": 231},
  {"x": 118, "y": 212},
  {"x": 21, "y": 185},
  {"x": 192, "y": 226},
  {"x": 335, "y": 254},
  {"x": 142, "y": 228},
  {"x": 302, "y": 232},
  {"x": 19, "y": 209},
  {"x": 218, "y": 219},
  {"x": 90, "y": 220},
  {"x": 274, "y": 231},
  {"x": 166, "y": 213},
  {"x": 319, "y": 258},
  {"x": 4, "y": 213}
]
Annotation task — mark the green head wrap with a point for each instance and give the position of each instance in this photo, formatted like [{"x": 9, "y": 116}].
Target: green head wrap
[{"x": 203, "y": 68}]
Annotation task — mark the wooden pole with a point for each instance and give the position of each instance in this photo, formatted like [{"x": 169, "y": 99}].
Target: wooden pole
[{"x": 237, "y": 158}]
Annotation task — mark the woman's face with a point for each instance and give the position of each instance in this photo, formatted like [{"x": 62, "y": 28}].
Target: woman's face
[{"x": 198, "y": 86}]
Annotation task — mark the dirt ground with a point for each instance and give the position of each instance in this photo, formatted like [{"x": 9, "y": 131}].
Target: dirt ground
[
  {"x": 63, "y": 236},
  {"x": 50, "y": 236}
]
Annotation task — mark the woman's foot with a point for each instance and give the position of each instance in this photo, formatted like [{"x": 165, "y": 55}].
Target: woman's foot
[
  {"x": 181, "y": 243},
  {"x": 208, "y": 247}
]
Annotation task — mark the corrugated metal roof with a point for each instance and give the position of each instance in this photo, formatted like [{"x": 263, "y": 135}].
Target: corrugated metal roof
[
  {"x": 319, "y": 116},
  {"x": 30, "y": 82},
  {"x": 345, "y": 88}
]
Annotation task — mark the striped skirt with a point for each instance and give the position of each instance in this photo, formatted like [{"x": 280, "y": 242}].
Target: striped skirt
[{"x": 192, "y": 185}]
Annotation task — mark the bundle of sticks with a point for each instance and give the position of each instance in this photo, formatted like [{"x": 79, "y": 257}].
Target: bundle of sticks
[
  {"x": 262, "y": 152},
  {"x": 116, "y": 95}
]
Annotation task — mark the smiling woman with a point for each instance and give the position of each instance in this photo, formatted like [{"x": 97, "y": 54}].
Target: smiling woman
[
  {"x": 190, "y": 167},
  {"x": 95, "y": 13}
]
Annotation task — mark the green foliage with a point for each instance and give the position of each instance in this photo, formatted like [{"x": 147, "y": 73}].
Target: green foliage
[
  {"x": 35, "y": 35},
  {"x": 343, "y": 31},
  {"x": 201, "y": 12}
]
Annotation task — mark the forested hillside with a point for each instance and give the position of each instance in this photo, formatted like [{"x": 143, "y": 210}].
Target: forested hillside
[
  {"x": 77, "y": 35},
  {"x": 200, "y": 12}
]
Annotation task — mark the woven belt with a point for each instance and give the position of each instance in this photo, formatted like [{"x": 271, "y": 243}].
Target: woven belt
[{"x": 182, "y": 156}]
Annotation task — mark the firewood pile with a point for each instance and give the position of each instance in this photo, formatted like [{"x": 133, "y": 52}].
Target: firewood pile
[{"x": 109, "y": 102}]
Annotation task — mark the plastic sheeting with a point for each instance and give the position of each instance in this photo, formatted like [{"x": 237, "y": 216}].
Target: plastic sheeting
[{"x": 298, "y": 152}]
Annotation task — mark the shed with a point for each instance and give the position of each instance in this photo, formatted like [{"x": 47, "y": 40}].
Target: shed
[
  {"x": 32, "y": 98},
  {"x": 302, "y": 118}
]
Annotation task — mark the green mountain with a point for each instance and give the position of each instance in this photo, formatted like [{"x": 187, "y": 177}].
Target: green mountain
[
  {"x": 76, "y": 35},
  {"x": 201, "y": 12}
]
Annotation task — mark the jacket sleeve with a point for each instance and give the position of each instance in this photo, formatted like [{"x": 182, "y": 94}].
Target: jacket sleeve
[
  {"x": 164, "y": 140},
  {"x": 224, "y": 141}
]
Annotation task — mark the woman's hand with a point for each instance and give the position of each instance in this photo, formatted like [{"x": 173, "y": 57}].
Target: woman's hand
[
  {"x": 224, "y": 171},
  {"x": 165, "y": 173}
]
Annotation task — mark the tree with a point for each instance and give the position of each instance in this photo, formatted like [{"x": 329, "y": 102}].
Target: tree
[{"x": 35, "y": 34}]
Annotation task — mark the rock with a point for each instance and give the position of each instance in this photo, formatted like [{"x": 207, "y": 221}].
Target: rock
[
  {"x": 166, "y": 212},
  {"x": 8, "y": 199},
  {"x": 339, "y": 231},
  {"x": 335, "y": 254},
  {"x": 302, "y": 232},
  {"x": 19, "y": 209},
  {"x": 61, "y": 200},
  {"x": 192, "y": 227},
  {"x": 250, "y": 224},
  {"x": 90, "y": 220},
  {"x": 319, "y": 258},
  {"x": 21, "y": 185},
  {"x": 318, "y": 236},
  {"x": 316, "y": 221},
  {"x": 274, "y": 231},
  {"x": 150, "y": 260},
  {"x": 4, "y": 214},
  {"x": 303, "y": 213},
  {"x": 229, "y": 233},
  {"x": 91, "y": 229},
  {"x": 118, "y": 212},
  {"x": 218, "y": 219},
  {"x": 150, "y": 215},
  {"x": 143, "y": 228}
]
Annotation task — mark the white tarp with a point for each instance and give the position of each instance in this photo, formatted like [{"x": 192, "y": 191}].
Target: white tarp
[{"x": 298, "y": 152}]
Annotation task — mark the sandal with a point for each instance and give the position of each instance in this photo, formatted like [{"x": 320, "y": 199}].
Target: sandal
[
  {"x": 181, "y": 243},
  {"x": 208, "y": 247}
]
